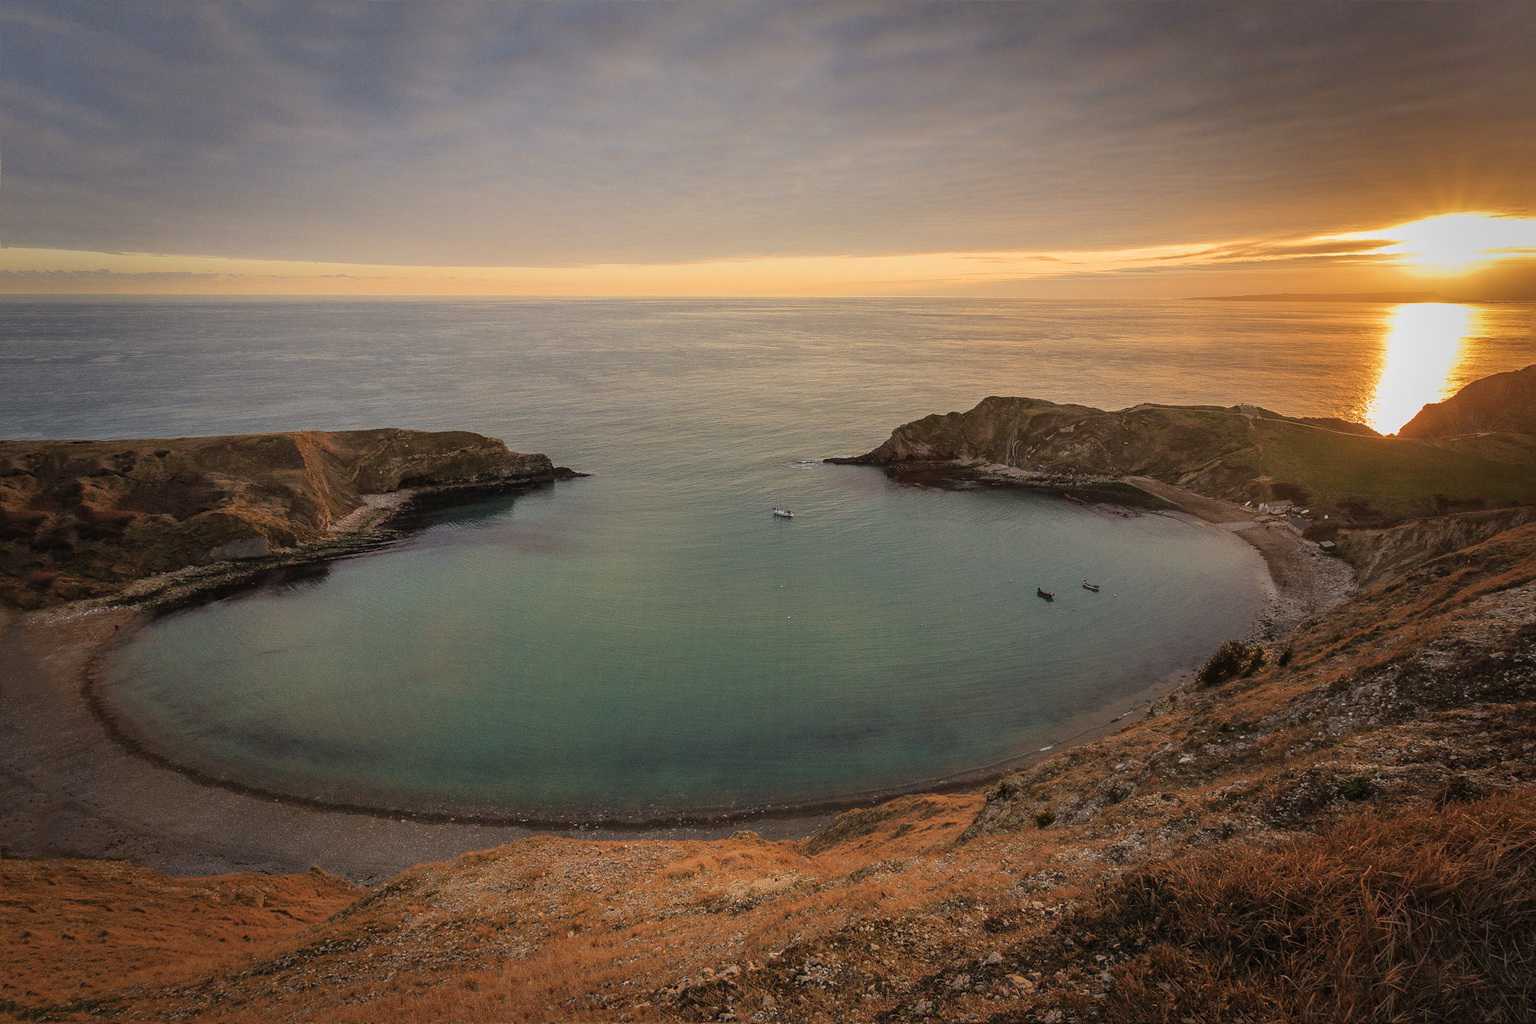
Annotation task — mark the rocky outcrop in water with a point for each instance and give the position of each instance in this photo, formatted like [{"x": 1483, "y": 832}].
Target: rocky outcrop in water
[{"x": 81, "y": 518}]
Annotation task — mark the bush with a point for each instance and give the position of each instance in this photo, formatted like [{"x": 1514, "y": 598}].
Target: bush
[
  {"x": 1045, "y": 818},
  {"x": 1356, "y": 788},
  {"x": 1291, "y": 492},
  {"x": 1232, "y": 659}
]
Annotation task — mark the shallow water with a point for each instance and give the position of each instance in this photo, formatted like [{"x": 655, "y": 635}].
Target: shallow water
[{"x": 650, "y": 640}]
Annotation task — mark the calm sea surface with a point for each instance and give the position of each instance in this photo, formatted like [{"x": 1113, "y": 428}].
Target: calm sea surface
[{"x": 650, "y": 640}]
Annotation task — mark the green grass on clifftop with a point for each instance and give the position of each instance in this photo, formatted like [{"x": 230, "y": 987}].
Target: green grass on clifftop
[{"x": 1395, "y": 476}]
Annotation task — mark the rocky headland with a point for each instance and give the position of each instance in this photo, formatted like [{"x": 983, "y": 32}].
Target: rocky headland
[
  {"x": 1332, "y": 824},
  {"x": 1470, "y": 452},
  {"x": 85, "y": 519}
]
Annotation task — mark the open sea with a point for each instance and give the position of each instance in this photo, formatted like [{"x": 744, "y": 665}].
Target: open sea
[{"x": 650, "y": 641}]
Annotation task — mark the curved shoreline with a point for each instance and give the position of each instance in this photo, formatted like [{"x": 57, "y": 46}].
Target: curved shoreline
[
  {"x": 148, "y": 789},
  {"x": 702, "y": 818}
]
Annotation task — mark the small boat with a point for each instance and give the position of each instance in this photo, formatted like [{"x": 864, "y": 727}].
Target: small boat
[
  {"x": 1090, "y": 586},
  {"x": 783, "y": 513},
  {"x": 1044, "y": 594}
]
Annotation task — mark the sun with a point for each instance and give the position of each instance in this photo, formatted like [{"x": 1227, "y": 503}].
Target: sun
[{"x": 1454, "y": 243}]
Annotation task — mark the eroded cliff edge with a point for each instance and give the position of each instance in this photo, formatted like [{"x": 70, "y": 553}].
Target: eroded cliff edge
[{"x": 84, "y": 518}]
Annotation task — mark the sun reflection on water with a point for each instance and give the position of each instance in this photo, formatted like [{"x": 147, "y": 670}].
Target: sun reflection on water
[{"x": 1423, "y": 344}]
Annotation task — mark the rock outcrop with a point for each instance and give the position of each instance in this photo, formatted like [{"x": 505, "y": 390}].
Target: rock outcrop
[
  {"x": 81, "y": 518},
  {"x": 1504, "y": 403},
  {"x": 1378, "y": 553},
  {"x": 1241, "y": 453}
]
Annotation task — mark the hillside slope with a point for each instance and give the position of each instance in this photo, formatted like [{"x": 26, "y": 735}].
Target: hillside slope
[
  {"x": 1317, "y": 839},
  {"x": 1241, "y": 453},
  {"x": 1503, "y": 403},
  {"x": 80, "y": 518}
]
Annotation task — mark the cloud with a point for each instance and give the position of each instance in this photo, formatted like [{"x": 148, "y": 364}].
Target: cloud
[
  {"x": 993, "y": 272},
  {"x": 478, "y": 133}
]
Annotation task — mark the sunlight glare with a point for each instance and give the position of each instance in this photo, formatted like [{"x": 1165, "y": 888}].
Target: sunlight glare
[
  {"x": 1454, "y": 243},
  {"x": 1424, "y": 341}
]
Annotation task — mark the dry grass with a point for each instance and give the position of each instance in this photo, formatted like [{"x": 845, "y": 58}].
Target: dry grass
[
  {"x": 73, "y": 931},
  {"x": 1426, "y": 915}
]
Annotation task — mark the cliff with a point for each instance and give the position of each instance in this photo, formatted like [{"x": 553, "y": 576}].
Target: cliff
[
  {"x": 1502, "y": 403},
  {"x": 1377, "y": 553},
  {"x": 1241, "y": 453},
  {"x": 82, "y": 518}
]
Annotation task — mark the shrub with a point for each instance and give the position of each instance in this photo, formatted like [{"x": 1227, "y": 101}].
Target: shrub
[
  {"x": 1356, "y": 788},
  {"x": 1232, "y": 659},
  {"x": 1291, "y": 492},
  {"x": 1045, "y": 818}
]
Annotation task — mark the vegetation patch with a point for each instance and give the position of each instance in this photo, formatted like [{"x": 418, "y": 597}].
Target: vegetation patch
[
  {"x": 1232, "y": 659},
  {"x": 1428, "y": 914}
]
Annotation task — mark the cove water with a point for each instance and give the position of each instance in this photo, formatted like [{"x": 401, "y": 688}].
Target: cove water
[{"x": 651, "y": 641}]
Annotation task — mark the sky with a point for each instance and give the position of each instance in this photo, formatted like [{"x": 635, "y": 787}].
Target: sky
[{"x": 867, "y": 147}]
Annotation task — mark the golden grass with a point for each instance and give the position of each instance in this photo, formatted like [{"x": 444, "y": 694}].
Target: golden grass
[{"x": 1424, "y": 915}]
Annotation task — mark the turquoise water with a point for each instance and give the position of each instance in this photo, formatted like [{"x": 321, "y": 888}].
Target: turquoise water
[
  {"x": 650, "y": 641},
  {"x": 575, "y": 652}
]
